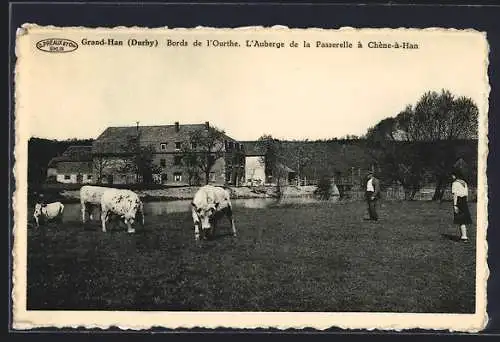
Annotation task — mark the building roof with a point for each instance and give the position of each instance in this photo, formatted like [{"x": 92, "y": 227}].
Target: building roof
[
  {"x": 114, "y": 139},
  {"x": 74, "y": 167},
  {"x": 75, "y": 153}
]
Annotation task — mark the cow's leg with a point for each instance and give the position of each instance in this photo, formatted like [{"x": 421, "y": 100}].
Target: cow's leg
[
  {"x": 84, "y": 208},
  {"x": 130, "y": 230},
  {"x": 196, "y": 226},
  {"x": 89, "y": 209},
  {"x": 104, "y": 217},
  {"x": 37, "y": 223},
  {"x": 229, "y": 214}
]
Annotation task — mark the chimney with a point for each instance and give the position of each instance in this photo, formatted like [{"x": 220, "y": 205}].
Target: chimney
[
  {"x": 207, "y": 125},
  {"x": 177, "y": 126}
]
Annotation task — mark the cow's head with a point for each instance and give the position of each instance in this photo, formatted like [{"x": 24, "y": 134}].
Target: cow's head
[
  {"x": 129, "y": 218},
  {"x": 206, "y": 213},
  {"x": 38, "y": 210}
]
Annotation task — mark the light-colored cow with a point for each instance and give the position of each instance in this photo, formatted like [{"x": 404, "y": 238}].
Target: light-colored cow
[
  {"x": 209, "y": 203},
  {"x": 48, "y": 212},
  {"x": 123, "y": 203},
  {"x": 90, "y": 197}
]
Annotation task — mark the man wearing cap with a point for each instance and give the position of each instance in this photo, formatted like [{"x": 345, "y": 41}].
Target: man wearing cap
[{"x": 372, "y": 194}]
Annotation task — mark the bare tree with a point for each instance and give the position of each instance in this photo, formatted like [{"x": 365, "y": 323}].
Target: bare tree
[{"x": 99, "y": 164}]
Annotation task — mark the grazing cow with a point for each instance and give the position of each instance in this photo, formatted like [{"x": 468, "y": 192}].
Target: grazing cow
[
  {"x": 48, "y": 212},
  {"x": 208, "y": 204},
  {"x": 90, "y": 197},
  {"x": 123, "y": 203}
]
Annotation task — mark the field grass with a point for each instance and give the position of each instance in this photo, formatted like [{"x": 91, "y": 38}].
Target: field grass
[{"x": 295, "y": 258}]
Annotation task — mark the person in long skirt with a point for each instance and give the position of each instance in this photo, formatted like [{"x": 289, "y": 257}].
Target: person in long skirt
[{"x": 461, "y": 214}]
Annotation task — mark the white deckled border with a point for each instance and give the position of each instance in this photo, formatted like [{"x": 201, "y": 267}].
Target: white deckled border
[{"x": 136, "y": 320}]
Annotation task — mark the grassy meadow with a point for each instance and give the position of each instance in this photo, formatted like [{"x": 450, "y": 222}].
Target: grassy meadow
[{"x": 310, "y": 257}]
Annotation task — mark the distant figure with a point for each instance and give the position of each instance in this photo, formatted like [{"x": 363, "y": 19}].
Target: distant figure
[
  {"x": 461, "y": 214},
  {"x": 372, "y": 194}
]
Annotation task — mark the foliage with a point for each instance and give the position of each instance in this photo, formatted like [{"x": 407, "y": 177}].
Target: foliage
[
  {"x": 435, "y": 118},
  {"x": 41, "y": 151},
  {"x": 274, "y": 159},
  {"x": 201, "y": 151},
  {"x": 140, "y": 162},
  {"x": 324, "y": 189},
  {"x": 99, "y": 164}
]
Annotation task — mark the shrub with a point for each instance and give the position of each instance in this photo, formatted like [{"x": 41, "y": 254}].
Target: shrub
[{"x": 324, "y": 189}]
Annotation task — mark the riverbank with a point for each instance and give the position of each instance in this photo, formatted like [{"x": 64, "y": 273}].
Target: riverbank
[{"x": 184, "y": 193}]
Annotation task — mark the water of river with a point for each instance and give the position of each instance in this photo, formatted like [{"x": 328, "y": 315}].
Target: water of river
[{"x": 73, "y": 212}]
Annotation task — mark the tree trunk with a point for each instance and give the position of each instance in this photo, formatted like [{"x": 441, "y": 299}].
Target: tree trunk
[
  {"x": 439, "y": 191},
  {"x": 207, "y": 176}
]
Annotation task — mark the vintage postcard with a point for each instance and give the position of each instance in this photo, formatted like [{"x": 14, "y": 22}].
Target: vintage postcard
[{"x": 250, "y": 178}]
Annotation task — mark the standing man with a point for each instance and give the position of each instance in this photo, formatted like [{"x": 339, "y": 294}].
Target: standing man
[
  {"x": 461, "y": 213},
  {"x": 372, "y": 194}
]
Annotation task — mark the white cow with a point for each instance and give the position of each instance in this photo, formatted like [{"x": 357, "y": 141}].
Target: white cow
[
  {"x": 48, "y": 212},
  {"x": 123, "y": 203},
  {"x": 209, "y": 203},
  {"x": 90, "y": 197}
]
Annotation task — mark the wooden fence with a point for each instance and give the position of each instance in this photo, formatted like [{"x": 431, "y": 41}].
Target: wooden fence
[{"x": 398, "y": 194}]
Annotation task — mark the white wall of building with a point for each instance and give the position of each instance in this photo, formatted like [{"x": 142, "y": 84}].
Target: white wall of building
[
  {"x": 72, "y": 178},
  {"x": 255, "y": 172}
]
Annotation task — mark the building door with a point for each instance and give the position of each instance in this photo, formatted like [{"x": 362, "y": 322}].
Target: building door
[
  {"x": 110, "y": 179},
  {"x": 79, "y": 178}
]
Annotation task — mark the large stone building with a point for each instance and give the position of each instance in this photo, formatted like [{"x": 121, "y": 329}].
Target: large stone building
[{"x": 112, "y": 150}]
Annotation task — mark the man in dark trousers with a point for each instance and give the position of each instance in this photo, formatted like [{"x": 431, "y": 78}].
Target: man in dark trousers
[{"x": 372, "y": 195}]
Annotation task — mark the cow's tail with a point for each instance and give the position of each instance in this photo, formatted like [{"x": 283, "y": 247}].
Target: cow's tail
[{"x": 60, "y": 215}]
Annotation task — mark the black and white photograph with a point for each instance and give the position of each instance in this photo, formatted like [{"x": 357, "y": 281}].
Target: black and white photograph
[{"x": 250, "y": 177}]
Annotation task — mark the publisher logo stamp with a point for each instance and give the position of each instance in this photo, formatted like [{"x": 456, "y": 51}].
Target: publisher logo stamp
[{"x": 56, "y": 45}]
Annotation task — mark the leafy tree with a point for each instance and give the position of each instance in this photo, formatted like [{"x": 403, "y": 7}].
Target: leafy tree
[
  {"x": 436, "y": 117},
  {"x": 324, "y": 189},
  {"x": 273, "y": 159},
  {"x": 202, "y": 150},
  {"x": 141, "y": 161}
]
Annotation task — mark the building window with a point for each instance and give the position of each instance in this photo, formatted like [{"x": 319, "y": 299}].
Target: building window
[
  {"x": 164, "y": 177},
  {"x": 177, "y": 145},
  {"x": 193, "y": 145},
  {"x": 163, "y": 162},
  {"x": 212, "y": 176},
  {"x": 89, "y": 177},
  {"x": 177, "y": 177},
  {"x": 228, "y": 177},
  {"x": 163, "y": 146},
  {"x": 67, "y": 177},
  {"x": 177, "y": 160}
]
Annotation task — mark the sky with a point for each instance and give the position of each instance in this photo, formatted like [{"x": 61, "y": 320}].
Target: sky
[{"x": 290, "y": 93}]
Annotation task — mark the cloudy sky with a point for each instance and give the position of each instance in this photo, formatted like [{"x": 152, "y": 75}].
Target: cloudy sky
[{"x": 290, "y": 93}]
